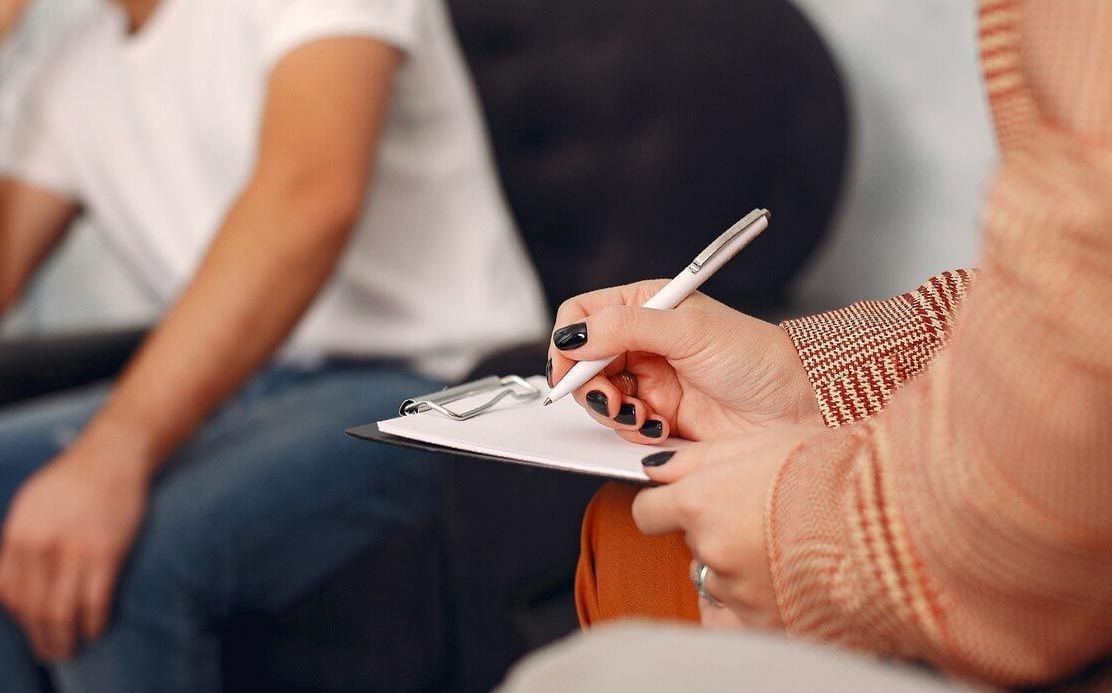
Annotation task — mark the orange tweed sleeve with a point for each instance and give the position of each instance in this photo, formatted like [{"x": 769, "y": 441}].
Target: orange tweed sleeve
[
  {"x": 969, "y": 523},
  {"x": 856, "y": 357}
]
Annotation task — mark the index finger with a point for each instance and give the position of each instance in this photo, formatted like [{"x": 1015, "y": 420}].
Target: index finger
[
  {"x": 96, "y": 600},
  {"x": 581, "y": 306},
  {"x": 578, "y": 307}
]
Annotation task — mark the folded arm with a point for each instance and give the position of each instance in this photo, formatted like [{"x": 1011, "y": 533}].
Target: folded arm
[
  {"x": 32, "y": 221},
  {"x": 970, "y": 523}
]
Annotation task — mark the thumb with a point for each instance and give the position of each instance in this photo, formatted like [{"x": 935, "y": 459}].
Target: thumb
[
  {"x": 674, "y": 334},
  {"x": 667, "y": 469},
  {"x": 669, "y": 466}
]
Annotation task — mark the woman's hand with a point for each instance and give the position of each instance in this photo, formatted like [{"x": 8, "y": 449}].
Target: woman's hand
[
  {"x": 703, "y": 370},
  {"x": 715, "y": 494}
]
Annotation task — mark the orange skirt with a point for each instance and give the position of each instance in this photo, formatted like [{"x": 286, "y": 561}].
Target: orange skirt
[{"x": 624, "y": 574}]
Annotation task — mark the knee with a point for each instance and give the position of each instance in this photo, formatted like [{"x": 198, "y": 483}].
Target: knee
[
  {"x": 602, "y": 519},
  {"x": 609, "y": 516},
  {"x": 622, "y": 573}
]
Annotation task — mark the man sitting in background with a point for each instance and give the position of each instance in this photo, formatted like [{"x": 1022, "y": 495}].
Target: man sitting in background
[{"x": 305, "y": 186}]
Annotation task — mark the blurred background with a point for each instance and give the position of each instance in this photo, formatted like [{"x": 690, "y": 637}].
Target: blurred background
[{"x": 920, "y": 150}]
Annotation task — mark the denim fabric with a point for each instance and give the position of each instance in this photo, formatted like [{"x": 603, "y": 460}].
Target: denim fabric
[{"x": 267, "y": 498}]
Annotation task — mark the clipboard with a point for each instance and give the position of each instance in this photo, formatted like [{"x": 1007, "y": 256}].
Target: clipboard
[{"x": 500, "y": 418}]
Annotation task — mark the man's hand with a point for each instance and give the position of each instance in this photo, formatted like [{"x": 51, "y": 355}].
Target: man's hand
[
  {"x": 66, "y": 534},
  {"x": 715, "y": 493}
]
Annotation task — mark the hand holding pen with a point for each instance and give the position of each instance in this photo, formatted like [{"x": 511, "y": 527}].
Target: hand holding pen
[{"x": 700, "y": 370}]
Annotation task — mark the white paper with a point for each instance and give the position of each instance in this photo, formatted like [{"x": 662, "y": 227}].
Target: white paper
[{"x": 561, "y": 435}]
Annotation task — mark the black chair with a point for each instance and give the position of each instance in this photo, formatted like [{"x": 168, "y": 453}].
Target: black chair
[{"x": 627, "y": 133}]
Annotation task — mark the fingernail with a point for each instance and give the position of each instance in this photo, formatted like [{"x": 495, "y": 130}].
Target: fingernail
[
  {"x": 548, "y": 372},
  {"x": 653, "y": 428},
  {"x": 627, "y": 415},
  {"x": 570, "y": 337},
  {"x": 597, "y": 401},
  {"x": 658, "y": 458}
]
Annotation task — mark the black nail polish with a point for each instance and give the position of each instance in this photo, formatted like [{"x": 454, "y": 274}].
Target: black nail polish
[
  {"x": 548, "y": 372},
  {"x": 597, "y": 401},
  {"x": 653, "y": 428},
  {"x": 627, "y": 415},
  {"x": 570, "y": 337},
  {"x": 658, "y": 458}
]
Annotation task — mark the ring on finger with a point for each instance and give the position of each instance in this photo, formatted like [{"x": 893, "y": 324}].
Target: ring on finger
[
  {"x": 699, "y": 573},
  {"x": 628, "y": 383}
]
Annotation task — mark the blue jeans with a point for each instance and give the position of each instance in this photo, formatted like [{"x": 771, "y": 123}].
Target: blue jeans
[{"x": 266, "y": 499}]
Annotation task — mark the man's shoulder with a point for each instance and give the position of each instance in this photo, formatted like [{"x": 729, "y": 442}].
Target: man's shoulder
[{"x": 65, "y": 56}]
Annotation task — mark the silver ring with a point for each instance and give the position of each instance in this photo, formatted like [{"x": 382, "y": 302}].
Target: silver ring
[
  {"x": 699, "y": 572},
  {"x": 630, "y": 381}
]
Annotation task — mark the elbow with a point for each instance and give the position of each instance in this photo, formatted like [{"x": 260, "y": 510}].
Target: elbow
[
  {"x": 321, "y": 207},
  {"x": 1028, "y": 664},
  {"x": 338, "y": 201},
  {"x": 329, "y": 205},
  {"x": 300, "y": 224}
]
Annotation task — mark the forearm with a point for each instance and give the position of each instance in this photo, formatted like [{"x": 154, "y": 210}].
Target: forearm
[
  {"x": 15, "y": 272},
  {"x": 8, "y": 295},
  {"x": 858, "y": 356},
  {"x": 32, "y": 221},
  {"x": 968, "y": 524},
  {"x": 276, "y": 249}
]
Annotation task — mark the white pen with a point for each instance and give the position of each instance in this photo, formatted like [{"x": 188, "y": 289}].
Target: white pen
[{"x": 674, "y": 292}]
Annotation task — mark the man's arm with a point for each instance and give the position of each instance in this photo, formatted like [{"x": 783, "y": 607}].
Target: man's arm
[
  {"x": 32, "y": 221},
  {"x": 275, "y": 250}
]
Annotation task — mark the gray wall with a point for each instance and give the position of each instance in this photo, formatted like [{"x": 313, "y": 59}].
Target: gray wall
[
  {"x": 923, "y": 147},
  {"x": 922, "y": 151}
]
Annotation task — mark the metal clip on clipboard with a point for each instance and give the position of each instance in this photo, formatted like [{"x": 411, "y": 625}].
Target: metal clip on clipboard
[{"x": 509, "y": 386}]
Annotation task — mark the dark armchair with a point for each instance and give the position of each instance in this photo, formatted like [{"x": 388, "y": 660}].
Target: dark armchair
[{"x": 626, "y": 133}]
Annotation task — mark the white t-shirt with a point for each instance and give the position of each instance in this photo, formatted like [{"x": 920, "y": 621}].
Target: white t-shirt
[{"x": 155, "y": 134}]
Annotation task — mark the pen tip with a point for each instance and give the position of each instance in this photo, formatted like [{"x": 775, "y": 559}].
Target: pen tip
[{"x": 546, "y": 402}]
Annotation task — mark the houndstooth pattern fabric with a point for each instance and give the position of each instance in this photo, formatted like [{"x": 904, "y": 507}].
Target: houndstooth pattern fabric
[{"x": 858, "y": 356}]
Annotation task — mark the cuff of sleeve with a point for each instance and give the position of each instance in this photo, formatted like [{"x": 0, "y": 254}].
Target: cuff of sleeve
[
  {"x": 32, "y": 156},
  {"x": 395, "y": 23},
  {"x": 858, "y": 356},
  {"x": 44, "y": 177},
  {"x": 38, "y": 180}
]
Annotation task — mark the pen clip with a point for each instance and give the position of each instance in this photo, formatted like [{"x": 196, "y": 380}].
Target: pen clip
[{"x": 728, "y": 235}]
